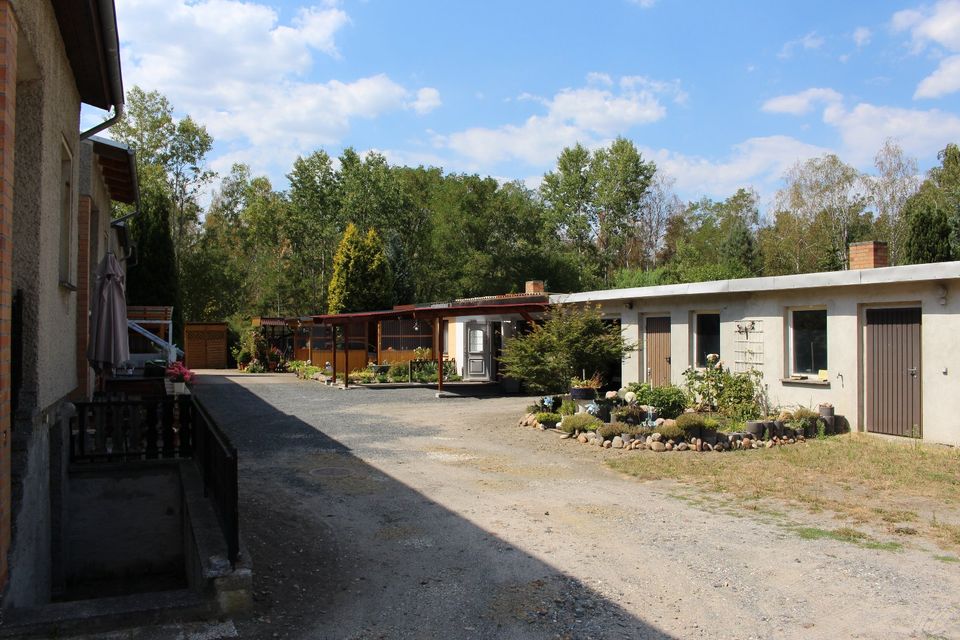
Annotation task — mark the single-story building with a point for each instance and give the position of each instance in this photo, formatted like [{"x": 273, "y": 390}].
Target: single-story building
[{"x": 879, "y": 343}]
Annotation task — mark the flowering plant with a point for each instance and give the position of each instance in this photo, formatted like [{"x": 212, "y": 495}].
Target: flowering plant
[{"x": 178, "y": 372}]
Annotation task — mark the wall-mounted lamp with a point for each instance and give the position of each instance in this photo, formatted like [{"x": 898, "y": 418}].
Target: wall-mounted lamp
[
  {"x": 942, "y": 294},
  {"x": 629, "y": 304}
]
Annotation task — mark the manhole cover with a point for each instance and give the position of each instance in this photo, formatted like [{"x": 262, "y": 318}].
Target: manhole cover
[{"x": 331, "y": 472}]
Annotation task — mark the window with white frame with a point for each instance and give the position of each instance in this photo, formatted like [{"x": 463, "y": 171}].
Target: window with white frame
[
  {"x": 808, "y": 341},
  {"x": 706, "y": 339}
]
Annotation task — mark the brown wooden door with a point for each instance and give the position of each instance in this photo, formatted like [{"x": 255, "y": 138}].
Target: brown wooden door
[
  {"x": 658, "y": 351},
  {"x": 893, "y": 372}
]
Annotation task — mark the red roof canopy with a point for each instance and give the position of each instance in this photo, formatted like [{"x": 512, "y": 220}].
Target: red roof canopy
[{"x": 451, "y": 311}]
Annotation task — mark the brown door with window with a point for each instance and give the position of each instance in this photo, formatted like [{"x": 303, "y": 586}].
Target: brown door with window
[
  {"x": 658, "y": 351},
  {"x": 893, "y": 372}
]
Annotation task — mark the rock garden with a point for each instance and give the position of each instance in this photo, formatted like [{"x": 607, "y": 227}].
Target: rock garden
[{"x": 715, "y": 410}]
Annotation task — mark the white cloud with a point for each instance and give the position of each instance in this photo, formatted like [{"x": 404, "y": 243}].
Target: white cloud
[
  {"x": 588, "y": 115},
  {"x": 644, "y": 4},
  {"x": 234, "y": 66},
  {"x": 427, "y": 100},
  {"x": 864, "y": 128},
  {"x": 943, "y": 81},
  {"x": 937, "y": 26},
  {"x": 808, "y": 42},
  {"x": 758, "y": 162},
  {"x": 801, "y": 103},
  {"x": 861, "y": 36}
]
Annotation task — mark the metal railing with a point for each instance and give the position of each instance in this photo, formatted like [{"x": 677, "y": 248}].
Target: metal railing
[{"x": 117, "y": 430}]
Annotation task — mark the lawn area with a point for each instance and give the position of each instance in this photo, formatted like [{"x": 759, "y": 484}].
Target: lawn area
[{"x": 903, "y": 487}]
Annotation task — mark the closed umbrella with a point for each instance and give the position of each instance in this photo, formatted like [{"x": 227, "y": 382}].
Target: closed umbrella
[{"x": 109, "y": 344}]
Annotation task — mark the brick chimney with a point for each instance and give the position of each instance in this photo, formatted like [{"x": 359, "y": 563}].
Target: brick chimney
[
  {"x": 534, "y": 286},
  {"x": 869, "y": 255}
]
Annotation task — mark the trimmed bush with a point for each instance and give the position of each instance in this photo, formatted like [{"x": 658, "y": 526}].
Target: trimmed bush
[
  {"x": 547, "y": 417},
  {"x": 608, "y": 431},
  {"x": 699, "y": 425},
  {"x": 580, "y": 422},
  {"x": 671, "y": 432},
  {"x": 399, "y": 372}
]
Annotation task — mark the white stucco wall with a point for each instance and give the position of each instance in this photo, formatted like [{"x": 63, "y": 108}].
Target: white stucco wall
[{"x": 845, "y": 308}]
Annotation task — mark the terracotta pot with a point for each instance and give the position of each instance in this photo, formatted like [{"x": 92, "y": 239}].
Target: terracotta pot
[{"x": 755, "y": 428}]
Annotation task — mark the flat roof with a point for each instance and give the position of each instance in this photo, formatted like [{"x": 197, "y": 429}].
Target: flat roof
[{"x": 884, "y": 275}]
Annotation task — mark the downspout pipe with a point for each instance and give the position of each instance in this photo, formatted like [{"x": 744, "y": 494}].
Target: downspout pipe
[{"x": 111, "y": 38}]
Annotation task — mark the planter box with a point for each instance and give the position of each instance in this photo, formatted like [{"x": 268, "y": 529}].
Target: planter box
[{"x": 583, "y": 393}]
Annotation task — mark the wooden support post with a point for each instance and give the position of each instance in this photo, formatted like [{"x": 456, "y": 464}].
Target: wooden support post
[
  {"x": 333, "y": 333},
  {"x": 439, "y": 352},
  {"x": 346, "y": 356}
]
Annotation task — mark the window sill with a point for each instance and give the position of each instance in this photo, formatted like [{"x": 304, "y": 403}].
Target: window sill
[{"x": 809, "y": 381}]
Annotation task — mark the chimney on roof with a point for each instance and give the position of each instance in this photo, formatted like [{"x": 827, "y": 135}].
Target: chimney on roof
[
  {"x": 869, "y": 255},
  {"x": 534, "y": 286}
]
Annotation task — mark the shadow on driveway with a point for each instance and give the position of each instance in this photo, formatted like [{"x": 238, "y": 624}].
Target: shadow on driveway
[{"x": 343, "y": 550}]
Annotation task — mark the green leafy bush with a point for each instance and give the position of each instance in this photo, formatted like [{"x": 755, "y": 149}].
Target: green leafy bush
[
  {"x": 698, "y": 425},
  {"x": 580, "y": 422},
  {"x": 399, "y": 372},
  {"x": 571, "y": 340},
  {"x": 669, "y": 400},
  {"x": 548, "y": 417},
  {"x": 362, "y": 376},
  {"x": 568, "y": 407}
]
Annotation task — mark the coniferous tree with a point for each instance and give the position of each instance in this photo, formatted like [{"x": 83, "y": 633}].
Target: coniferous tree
[{"x": 362, "y": 279}]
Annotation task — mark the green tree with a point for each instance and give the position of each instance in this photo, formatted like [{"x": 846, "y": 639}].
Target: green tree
[
  {"x": 362, "y": 280},
  {"x": 153, "y": 279},
  {"x": 933, "y": 213},
  {"x": 179, "y": 147},
  {"x": 569, "y": 341}
]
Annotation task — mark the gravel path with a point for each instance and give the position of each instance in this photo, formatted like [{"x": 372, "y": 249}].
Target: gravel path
[{"x": 392, "y": 514}]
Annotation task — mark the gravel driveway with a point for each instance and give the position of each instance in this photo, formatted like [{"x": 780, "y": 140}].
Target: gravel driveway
[{"x": 374, "y": 513}]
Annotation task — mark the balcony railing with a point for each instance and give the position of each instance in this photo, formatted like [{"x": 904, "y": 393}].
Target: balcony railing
[{"x": 118, "y": 430}]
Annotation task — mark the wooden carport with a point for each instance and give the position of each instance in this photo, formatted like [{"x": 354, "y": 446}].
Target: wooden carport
[{"x": 435, "y": 313}]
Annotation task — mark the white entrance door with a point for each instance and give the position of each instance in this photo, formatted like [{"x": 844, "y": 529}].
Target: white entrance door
[{"x": 478, "y": 351}]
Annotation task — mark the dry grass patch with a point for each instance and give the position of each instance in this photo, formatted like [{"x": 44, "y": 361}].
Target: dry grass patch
[{"x": 862, "y": 478}]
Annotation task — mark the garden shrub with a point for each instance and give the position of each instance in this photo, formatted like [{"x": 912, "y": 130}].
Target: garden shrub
[
  {"x": 580, "y": 422},
  {"x": 699, "y": 425},
  {"x": 362, "y": 376},
  {"x": 399, "y": 372},
  {"x": 571, "y": 340},
  {"x": 568, "y": 408},
  {"x": 630, "y": 414},
  {"x": 546, "y": 416},
  {"x": 669, "y": 400},
  {"x": 671, "y": 432},
  {"x": 612, "y": 429}
]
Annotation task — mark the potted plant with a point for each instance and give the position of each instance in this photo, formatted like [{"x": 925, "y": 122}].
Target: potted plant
[
  {"x": 179, "y": 375},
  {"x": 585, "y": 388}
]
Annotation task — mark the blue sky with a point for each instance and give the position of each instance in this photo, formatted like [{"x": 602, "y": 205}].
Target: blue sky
[{"x": 719, "y": 94}]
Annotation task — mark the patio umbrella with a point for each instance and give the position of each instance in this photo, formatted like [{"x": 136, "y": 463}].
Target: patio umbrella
[{"x": 109, "y": 345}]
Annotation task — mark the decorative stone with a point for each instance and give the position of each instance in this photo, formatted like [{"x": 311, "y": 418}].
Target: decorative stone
[
  {"x": 669, "y": 422},
  {"x": 660, "y": 421},
  {"x": 683, "y": 446},
  {"x": 649, "y": 439},
  {"x": 582, "y": 439},
  {"x": 698, "y": 444},
  {"x": 607, "y": 444},
  {"x": 641, "y": 446},
  {"x": 656, "y": 437},
  {"x": 658, "y": 446},
  {"x": 705, "y": 446},
  {"x": 746, "y": 442},
  {"x": 617, "y": 442},
  {"x": 669, "y": 445},
  {"x": 566, "y": 436},
  {"x": 771, "y": 444}
]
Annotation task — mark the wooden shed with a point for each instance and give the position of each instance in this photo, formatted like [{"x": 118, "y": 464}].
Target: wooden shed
[{"x": 205, "y": 345}]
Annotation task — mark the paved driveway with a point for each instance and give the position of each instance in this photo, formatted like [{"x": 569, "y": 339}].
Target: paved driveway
[{"x": 392, "y": 514}]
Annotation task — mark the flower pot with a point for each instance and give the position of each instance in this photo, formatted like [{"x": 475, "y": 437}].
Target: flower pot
[
  {"x": 179, "y": 387},
  {"x": 771, "y": 428},
  {"x": 826, "y": 410},
  {"x": 755, "y": 428},
  {"x": 582, "y": 393}
]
